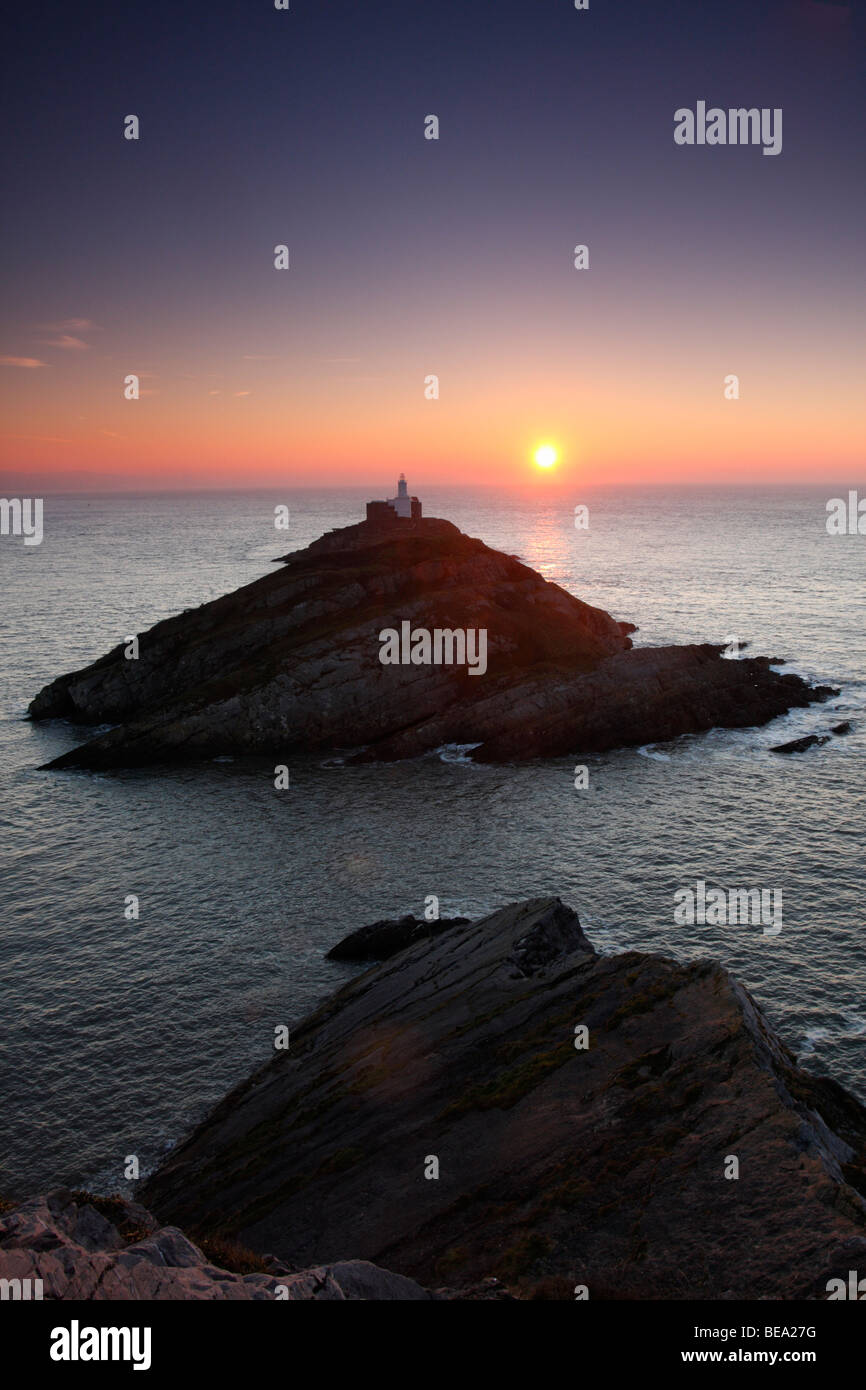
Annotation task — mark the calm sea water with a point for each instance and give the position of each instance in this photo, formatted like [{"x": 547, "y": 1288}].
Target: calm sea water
[{"x": 117, "y": 1036}]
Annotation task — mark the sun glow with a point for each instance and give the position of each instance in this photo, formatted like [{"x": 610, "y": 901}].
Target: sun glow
[{"x": 546, "y": 456}]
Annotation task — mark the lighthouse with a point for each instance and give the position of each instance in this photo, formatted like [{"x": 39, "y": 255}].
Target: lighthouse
[
  {"x": 402, "y": 503},
  {"x": 402, "y": 506}
]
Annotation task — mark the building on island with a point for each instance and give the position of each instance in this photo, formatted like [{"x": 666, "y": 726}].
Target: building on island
[{"x": 402, "y": 506}]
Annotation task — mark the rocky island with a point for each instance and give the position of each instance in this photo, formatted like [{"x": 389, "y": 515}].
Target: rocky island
[{"x": 296, "y": 661}]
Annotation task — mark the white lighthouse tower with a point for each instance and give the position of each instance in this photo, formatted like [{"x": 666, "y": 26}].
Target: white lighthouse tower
[
  {"x": 402, "y": 503},
  {"x": 395, "y": 508}
]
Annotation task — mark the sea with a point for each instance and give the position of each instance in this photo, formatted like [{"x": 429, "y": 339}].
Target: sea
[{"x": 118, "y": 1035}]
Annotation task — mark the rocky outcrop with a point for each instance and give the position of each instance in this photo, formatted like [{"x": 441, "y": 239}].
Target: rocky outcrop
[
  {"x": 446, "y": 1116},
  {"x": 67, "y": 1241},
  {"x": 801, "y": 745},
  {"x": 291, "y": 662},
  {"x": 384, "y": 939}
]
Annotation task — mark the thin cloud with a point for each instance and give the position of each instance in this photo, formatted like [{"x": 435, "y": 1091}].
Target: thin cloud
[
  {"x": 69, "y": 326},
  {"x": 257, "y": 357},
  {"x": 243, "y": 393},
  {"x": 64, "y": 341},
  {"x": 21, "y": 362},
  {"x": 67, "y": 334}
]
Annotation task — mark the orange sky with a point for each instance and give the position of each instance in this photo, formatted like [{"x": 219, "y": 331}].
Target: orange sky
[{"x": 638, "y": 417}]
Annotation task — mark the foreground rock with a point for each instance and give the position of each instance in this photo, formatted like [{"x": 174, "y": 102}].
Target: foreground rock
[
  {"x": 557, "y": 1166},
  {"x": 66, "y": 1240},
  {"x": 291, "y": 661},
  {"x": 384, "y": 939}
]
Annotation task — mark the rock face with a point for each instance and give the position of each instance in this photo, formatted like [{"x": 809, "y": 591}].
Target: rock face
[
  {"x": 384, "y": 939},
  {"x": 602, "y": 1165},
  {"x": 66, "y": 1241},
  {"x": 291, "y": 661}
]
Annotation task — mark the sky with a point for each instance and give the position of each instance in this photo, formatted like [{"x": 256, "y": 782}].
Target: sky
[{"x": 411, "y": 258}]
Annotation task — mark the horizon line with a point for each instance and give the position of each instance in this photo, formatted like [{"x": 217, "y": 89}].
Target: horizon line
[{"x": 549, "y": 486}]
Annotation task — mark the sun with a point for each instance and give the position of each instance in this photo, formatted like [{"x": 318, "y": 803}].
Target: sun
[{"x": 546, "y": 456}]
